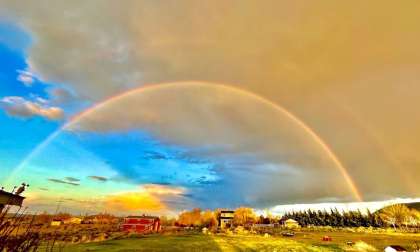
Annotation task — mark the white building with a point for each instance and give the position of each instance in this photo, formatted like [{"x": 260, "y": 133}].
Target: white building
[{"x": 395, "y": 248}]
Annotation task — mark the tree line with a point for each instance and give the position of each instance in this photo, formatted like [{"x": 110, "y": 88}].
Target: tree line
[
  {"x": 336, "y": 219},
  {"x": 396, "y": 216}
]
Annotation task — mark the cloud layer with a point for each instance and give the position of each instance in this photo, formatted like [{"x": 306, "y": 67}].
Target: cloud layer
[
  {"x": 65, "y": 181},
  {"x": 20, "y": 107},
  {"x": 248, "y": 142},
  {"x": 349, "y": 70}
]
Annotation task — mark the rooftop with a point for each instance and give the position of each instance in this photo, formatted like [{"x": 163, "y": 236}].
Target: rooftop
[{"x": 7, "y": 198}]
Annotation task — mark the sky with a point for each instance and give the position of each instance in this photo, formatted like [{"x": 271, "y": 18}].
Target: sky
[{"x": 159, "y": 106}]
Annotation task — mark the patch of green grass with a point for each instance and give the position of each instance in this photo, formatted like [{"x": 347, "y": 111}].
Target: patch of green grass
[
  {"x": 309, "y": 241},
  {"x": 198, "y": 242},
  {"x": 151, "y": 243},
  {"x": 379, "y": 241}
]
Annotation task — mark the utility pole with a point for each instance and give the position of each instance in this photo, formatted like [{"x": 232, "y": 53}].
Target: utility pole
[{"x": 59, "y": 201}]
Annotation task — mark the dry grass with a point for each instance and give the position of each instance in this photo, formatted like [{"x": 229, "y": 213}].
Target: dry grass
[{"x": 17, "y": 233}]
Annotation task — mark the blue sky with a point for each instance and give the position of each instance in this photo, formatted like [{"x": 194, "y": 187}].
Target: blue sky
[
  {"x": 237, "y": 125},
  {"x": 123, "y": 159},
  {"x": 18, "y": 138}
]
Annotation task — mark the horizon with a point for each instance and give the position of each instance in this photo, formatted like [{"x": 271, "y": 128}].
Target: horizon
[{"x": 277, "y": 211}]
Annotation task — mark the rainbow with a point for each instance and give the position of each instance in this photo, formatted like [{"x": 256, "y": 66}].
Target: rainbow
[{"x": 155, "y": 87}]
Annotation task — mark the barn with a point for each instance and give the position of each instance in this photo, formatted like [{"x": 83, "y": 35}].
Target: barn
[{"x": 141, "y": 224}]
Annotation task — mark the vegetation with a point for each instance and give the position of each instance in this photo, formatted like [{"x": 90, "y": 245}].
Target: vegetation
[
  {"x": 100, "y": 232},
  {"x": 395, "y": 215},
  {"x": 303, "y": 241},
  {"x": 198, "y": 242},
  {"x": 400, "y": 215},
  {"x": 15, "y": 234}
]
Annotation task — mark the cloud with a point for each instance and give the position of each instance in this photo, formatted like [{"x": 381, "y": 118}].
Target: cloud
[
  {"x": 98, "y": 178},
  {"x": 134, "y": 201},
  {"x": 26, "y": 77},
  {"x": 59, "y": 95},
  {"x": 71, "y": 179},
  {"x": 154, "y": 155},
  {"x": 20, "y": 107},
  {"x": 63, "y": 182},
  {"x": 372, "y": 206},
  {"x": 351, "y": 74},
  {"x": 150, "y": 198},
  {"x": 226, "y": 131},
  {"x": 158, "y": 189}
]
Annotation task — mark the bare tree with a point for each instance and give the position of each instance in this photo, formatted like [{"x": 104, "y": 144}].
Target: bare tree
[
  {"x": 244, "y": 215},
  {"x": 395, "y": 215}
]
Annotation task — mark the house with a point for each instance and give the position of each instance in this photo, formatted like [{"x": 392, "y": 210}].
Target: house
[
  {"x": 72, "y": 220},
  {"x": 395, "y": 248},
  {"x": 7, "y": 198},
  {"x": 226, "y": 218},
  {"x": 291, "y": 223},
  {"x": 141, "y": 224}
]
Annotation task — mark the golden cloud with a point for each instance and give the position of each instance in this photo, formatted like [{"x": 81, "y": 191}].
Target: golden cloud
[
  {"x": 156, "y": 189},
  {"x": 129, "y": 201},
  {"x": 149, "y": 198}
]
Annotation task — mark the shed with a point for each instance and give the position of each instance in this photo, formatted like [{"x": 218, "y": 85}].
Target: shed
[{"x": 395, "y": 248}]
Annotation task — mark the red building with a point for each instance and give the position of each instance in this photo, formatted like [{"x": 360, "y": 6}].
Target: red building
[{"x": 141, "y": 224}]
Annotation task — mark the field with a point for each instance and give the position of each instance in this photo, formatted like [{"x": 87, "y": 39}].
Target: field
[{"x": 309, "y": 241}]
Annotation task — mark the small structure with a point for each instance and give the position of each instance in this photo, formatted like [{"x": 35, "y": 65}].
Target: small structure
[
  {"x": 226, "y": 218},
  {"x": 72, "y": 220},
  {"x": 395, "y": 248},
  {"x": 10, "y": 198},
  {"x": 56, "y": 222},
  {"x": 326, "y": 238},
  {"x": 141, "y": 224},
  {"x": 288, "y": 234},
  {"x": 291, "y": 223}
]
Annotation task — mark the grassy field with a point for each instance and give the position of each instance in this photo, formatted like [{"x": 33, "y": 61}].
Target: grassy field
[
  {"x": 199, "y": 242},
  {"x": 379, "y": 241}
]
